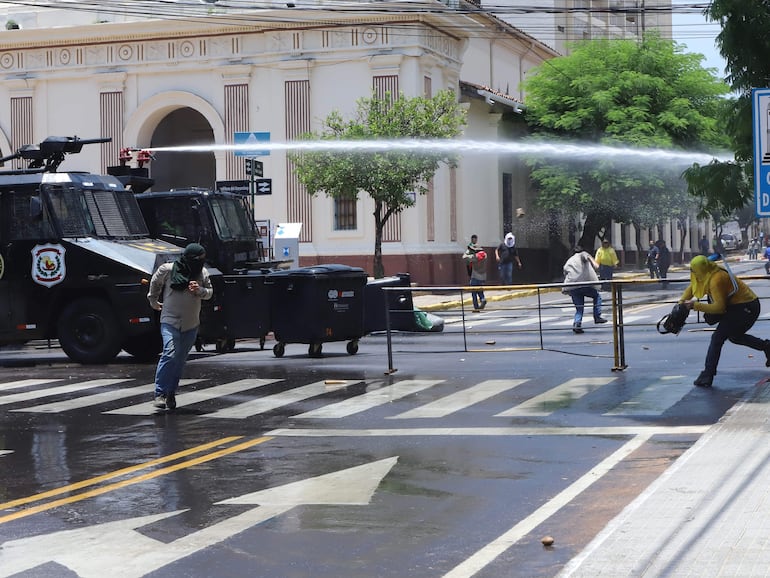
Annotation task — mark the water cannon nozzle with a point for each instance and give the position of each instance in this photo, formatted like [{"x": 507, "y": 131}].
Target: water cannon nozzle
[{"x": 144, "y": 156}]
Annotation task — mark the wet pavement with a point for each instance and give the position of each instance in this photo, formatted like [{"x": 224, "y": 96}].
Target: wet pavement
[{"x": 455, "y": 465}]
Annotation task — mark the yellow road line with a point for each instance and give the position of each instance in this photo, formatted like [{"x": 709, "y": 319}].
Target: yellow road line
[
  {"x": 124, "y": 483},
  {"x": 116, "y": 474}
]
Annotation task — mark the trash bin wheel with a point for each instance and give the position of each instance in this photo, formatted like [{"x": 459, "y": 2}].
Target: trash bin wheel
[
  {"x": 278, "y": 349},
  {"x": 314, "y": 349},
  {"x": 225, "y": 345},
  {"x": 352, "y": 347}
]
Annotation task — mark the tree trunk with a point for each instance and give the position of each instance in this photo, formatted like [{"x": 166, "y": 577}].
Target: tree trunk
[
  {"x": 591, "y": 229},
  {"x": 379, "y": 225},
  {"x": 682, "y": 234}
]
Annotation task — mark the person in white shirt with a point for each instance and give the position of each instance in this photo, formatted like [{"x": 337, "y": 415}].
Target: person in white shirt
[{"x": 581, "y": 267}]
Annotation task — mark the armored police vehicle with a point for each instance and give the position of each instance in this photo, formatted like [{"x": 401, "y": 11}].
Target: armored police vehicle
[{"x": 75, "y": 258}]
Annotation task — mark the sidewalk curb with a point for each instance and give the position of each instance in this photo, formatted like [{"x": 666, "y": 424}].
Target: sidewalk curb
[{"x": 705, "y": 512}]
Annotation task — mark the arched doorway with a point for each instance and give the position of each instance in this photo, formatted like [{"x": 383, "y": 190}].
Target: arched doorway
[{"x": 175, "y": 170}]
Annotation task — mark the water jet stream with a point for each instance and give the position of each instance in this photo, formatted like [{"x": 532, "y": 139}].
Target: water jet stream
[{"x": 550, "y": 150}]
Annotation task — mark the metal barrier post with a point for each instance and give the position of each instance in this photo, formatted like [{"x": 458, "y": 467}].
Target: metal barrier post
[
  {"x": 462, "y": 309},
  {"x": 618, "y": 331},
  {"x": 391, "y": 369},
  {"x": 540, "y": 318}
]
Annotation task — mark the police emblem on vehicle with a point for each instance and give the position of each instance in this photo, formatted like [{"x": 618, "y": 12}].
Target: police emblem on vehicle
[{"x": 48, "y": 266}]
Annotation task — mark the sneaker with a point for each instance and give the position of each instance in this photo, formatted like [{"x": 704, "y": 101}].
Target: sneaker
[
  {"x": 160, "y": 402},
  {"x": 600, "y": 320},
  {"x": 483, "y": 304},
  {"x": 171, "y": 401},
  {"x": 767, "y": 353},
  {"x": 704, "y": 379},
  {"x": 577, "y": 328}
]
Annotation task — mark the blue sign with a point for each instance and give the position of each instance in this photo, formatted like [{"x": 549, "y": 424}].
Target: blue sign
[
  {"x": 250, "y": 141},
  {"x": 760, "y": 98}
]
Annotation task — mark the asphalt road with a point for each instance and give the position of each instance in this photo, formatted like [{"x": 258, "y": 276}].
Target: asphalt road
[{"x": 456, "y": 464}]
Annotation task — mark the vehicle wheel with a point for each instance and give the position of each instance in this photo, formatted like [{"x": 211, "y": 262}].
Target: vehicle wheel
[
  {"x": 314, "y": 350},
  {"x": 145, "y": 347},
  {"x": 352, "y": 347},
  {"x": 278, "y": 349},
  {"x": 88, "y": 331},
  {"x": 225, "y": 345}
]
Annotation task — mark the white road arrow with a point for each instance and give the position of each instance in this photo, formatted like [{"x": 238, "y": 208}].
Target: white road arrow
[{"x": 118, "y": 550}]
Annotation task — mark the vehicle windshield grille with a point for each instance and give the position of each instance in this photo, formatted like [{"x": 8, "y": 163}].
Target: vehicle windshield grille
[
  {"x": 96, "y": 212},
  {"x": 115, "y": 214}
]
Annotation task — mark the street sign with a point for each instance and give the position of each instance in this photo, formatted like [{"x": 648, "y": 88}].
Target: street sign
[
  {"x": 250, "y": 141},
  {"x": 237, "y": 187},
  {"x": 760, "y": 98},
  {"x": 263, "y": 186}
]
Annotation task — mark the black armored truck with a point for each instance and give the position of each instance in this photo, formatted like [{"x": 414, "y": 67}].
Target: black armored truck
[{"x": 75, "y": 258}]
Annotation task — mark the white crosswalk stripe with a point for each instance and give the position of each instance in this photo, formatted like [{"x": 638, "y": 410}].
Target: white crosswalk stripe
[
  {"x": 270, "y": 402},
  {"x": 529, "y": 321},
  {"x": 654, "y": 399},
  {"x": 461, "y": 399},
  {"x": 199, "y": 396},
  {"x": 97, "y": 398},
  {"x": 558, "y": 397},
  {"x": 371, "y": 399},
  {"x": 565, "y": 317},
  {"x": 58, "y": 390},
  {"x": 22, "y": 383},
  {"x": 657, "y": 397}
]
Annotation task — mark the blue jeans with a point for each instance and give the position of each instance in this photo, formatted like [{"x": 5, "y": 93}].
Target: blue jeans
[
  {"x": 506, "y": 273},
  {"x": 176, "y": 346},
  {"x": 579, "y": 295},
  {"x": 605, "y": 274},
  {"x": 478, "y": 296}
]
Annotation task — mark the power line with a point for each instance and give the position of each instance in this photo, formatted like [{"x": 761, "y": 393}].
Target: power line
[{"x": 239, "y": 13}]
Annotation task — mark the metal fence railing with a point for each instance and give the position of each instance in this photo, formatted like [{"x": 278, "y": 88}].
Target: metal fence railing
[{"x": 525, "y": 317}]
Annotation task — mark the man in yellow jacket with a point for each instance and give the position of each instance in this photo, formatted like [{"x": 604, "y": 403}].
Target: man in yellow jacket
[
  {"x": 731, "y": 305},
  {"x": 608, "y": 261}
]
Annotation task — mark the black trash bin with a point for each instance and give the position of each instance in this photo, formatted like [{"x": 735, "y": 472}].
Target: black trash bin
[
  {"x": 316, "y": 305},
  {"x": 400, "y": 304},
  {"x": 240, "y": 309}
]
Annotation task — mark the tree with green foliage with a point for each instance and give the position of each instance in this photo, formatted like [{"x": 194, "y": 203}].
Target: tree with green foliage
[
  {"x": 622, "y": 93},
  {"x": 727, "y": 187},
  {"x": 388, "y": 176}
]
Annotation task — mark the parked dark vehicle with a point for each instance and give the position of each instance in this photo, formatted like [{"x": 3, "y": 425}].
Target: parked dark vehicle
[
  {"x": 75, "y": 258},
  {"x": 222, "y": 223},
  {"x": 219, "y": 221}
]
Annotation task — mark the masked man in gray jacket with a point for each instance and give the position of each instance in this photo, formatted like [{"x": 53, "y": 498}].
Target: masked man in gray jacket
[{"x": 176, "y": 290}]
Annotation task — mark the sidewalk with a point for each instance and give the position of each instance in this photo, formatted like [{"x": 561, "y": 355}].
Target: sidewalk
[
  {"x": 442, "y": 301},
  {"x": 707, "y": 516}
]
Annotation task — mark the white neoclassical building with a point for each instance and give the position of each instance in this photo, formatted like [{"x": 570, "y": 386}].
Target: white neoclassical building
[
  {"x": 199, "y": 80},
  {"x": 197, "y": 73}
]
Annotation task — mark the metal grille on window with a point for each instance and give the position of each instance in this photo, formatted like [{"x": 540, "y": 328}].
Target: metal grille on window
[{"x": 345, "y": 214}]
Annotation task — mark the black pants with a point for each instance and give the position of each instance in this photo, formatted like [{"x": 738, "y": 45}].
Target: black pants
[{"x": 737, "y": 320}]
